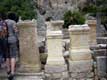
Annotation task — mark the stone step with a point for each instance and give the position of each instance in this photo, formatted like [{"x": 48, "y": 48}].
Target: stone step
[
  {"x": 22, "y": 76},
  {"x": 102, "y": 40}
]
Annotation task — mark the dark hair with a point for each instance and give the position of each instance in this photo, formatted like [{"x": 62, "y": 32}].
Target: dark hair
[
  {"x": 3, "y": 15},
  {"x": 13, "y": 16}
]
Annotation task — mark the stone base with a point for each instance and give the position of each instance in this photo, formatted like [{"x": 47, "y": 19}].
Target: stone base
[
  {"x": 80, "y": 66},
  {"x": 29, "y": 69},
  {"x": 55, "y": 68},
  {"x": 29, "y": 76},
  {"x": 81, "y": 69},
  {"x": 80, "y": 54},
  {"x": 82, "y": 75},
  {"x": 56, "y": 72},
  {"x": 57, "y": 76}
]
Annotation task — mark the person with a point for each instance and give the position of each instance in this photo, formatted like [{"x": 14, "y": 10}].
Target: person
[
  {"x": 12, "y": 43},
  {"x": 3, "y": 38}
]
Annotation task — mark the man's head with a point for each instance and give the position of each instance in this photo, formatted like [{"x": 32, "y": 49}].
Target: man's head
[{"x": 12, "y": 16}]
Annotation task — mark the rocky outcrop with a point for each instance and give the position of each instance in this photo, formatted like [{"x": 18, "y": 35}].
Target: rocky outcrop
[{"x": 55, "y": 9}]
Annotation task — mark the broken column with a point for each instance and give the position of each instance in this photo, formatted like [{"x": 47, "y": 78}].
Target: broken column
[
  {"x": 55, "y": 67},
  {"x": 80, "y": 63}
]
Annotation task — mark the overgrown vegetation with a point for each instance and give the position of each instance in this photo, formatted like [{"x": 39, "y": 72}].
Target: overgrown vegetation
[
  {"x": 72, "y": 18},
  {"x": 23, "y": 8},
  {"x": 98, "y": 9}
]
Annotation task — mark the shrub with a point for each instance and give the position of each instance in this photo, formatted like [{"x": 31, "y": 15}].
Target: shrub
[{"x": 73, "y": 18}]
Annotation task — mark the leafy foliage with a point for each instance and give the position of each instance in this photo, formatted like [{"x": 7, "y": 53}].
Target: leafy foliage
[
  {"x": 72, "y": 18},
  {"x": 23, "y": 8},
  {"x": 95, "y": 6}
]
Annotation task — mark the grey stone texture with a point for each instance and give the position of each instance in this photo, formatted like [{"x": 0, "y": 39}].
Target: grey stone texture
[
  {"x": 55, "y": 68},
  {"x": 29, "y": 76},
  {"x": 80, "y": 66},
  {"x": 101, "y": 66},
  {"x": 56, "y": 8}
]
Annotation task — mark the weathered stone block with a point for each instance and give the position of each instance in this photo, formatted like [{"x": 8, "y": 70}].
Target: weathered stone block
[
  {"x": 79, "y": 36},
  {"x": 54, "y": 25},
  {"x": 80, "y": 54},
  {"x": 82, "y": 75},
  {"x": 55, "y": 61},
  {"x": 102, "y": 66},
  {"x": 29, "y": 76},
  {"x": 29, "y": 54},
  {"x": 57, "y": 76},
  {"x": 79, "y": 42},
  {"x": 57, "y": 25},
  {"x": 80, "y": 66},
  {"x": 55, "y": 56},
  {"x": 55, "y": 68}
]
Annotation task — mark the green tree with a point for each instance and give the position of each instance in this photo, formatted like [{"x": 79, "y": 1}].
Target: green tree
[{"x": 23, "y": 8}]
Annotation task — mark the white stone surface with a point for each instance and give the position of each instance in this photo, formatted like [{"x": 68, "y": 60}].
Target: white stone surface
[{"x": 84, "y": 27}]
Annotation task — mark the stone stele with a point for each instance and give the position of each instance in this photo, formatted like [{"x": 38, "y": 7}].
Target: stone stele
[
  {"x": 79, "y": 42},
  {"x": 29, "y": 54},
  {"x": 80, "y": 61},
  {"x": 55, "y": 60}
]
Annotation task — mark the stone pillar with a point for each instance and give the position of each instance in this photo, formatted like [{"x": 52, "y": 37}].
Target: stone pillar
[
  {"x": 54, "y": 25},
  {"x": 55, "y": 67},
  {"x": 92, "y": 24},
  {"x": 29, "y": 54},
  {"x": 80, "y": 63}
]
